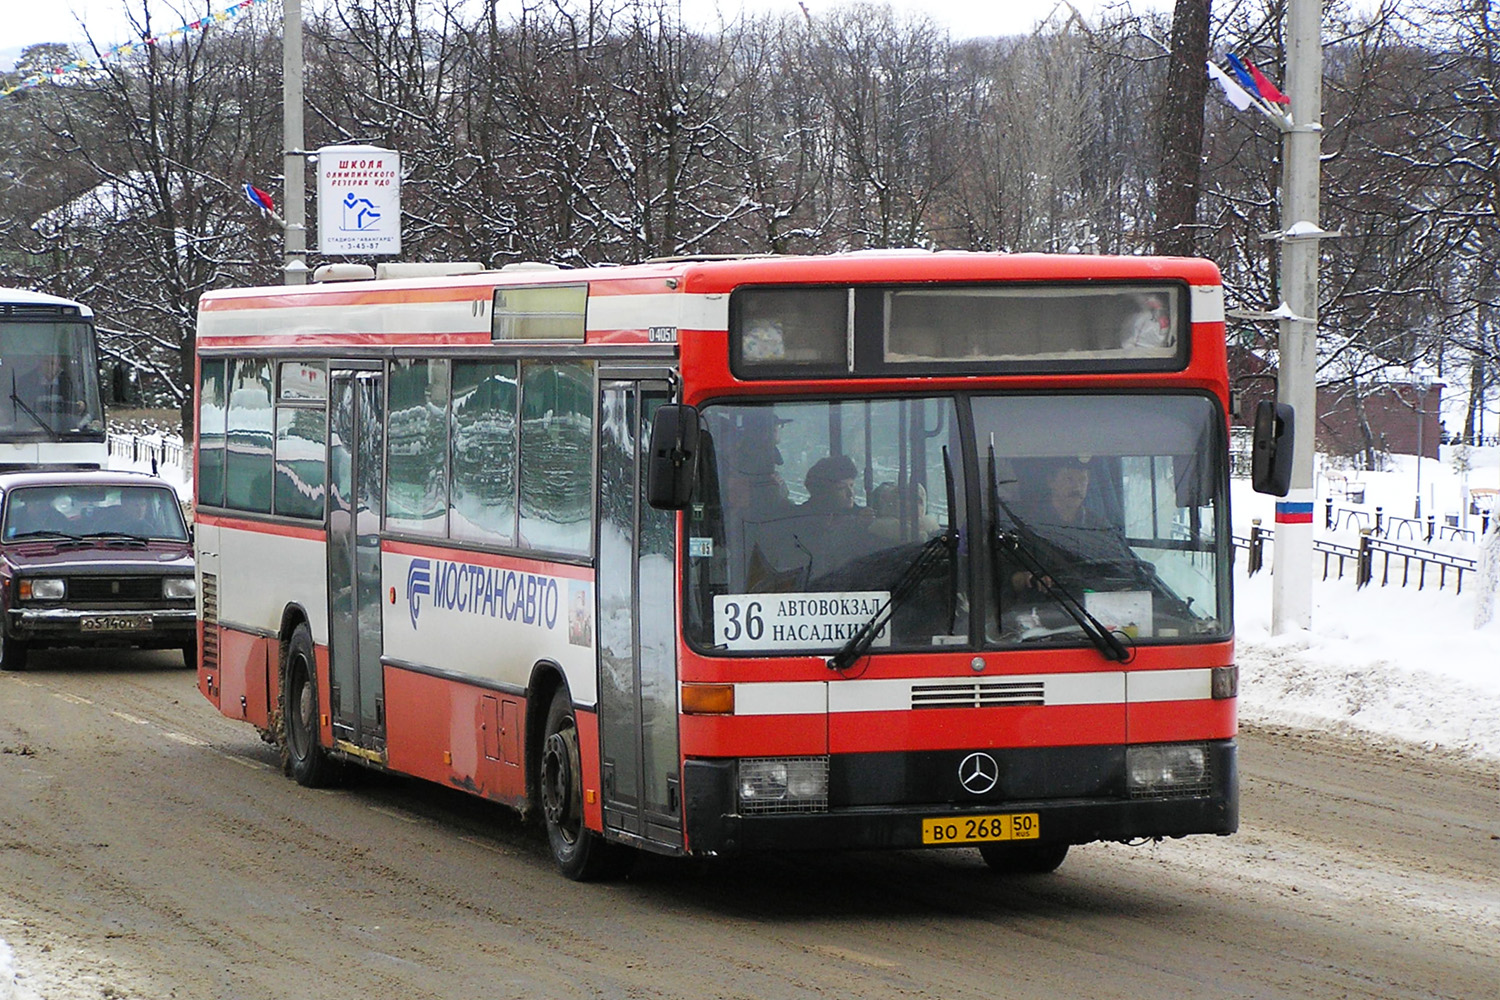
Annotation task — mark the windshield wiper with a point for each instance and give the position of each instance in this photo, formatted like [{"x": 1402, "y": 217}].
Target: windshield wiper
[
  {"x": 44, "y": 533},
  {"x": 1018, "y": 544},
  {"x": 859, "y": 643},
  {"x": 16, "y": 400}
]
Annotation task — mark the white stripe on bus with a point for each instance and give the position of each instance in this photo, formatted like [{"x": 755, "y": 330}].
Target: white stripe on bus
[
  {"x": 1108, "y": 687},
  {"x": 1206, "y": 304}
]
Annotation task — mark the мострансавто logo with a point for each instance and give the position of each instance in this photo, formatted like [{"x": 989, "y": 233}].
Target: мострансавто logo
[
  {"x": 418, "y": 582},
  {"x": 487, "y": 591}
]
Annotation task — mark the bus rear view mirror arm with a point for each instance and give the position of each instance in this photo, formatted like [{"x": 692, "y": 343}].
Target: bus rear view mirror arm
[
  {"x": 1271, "y": 457},
  {"x": 673, "y": 458}
]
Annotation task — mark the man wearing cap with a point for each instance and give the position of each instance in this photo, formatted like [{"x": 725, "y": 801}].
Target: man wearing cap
[{"x": 830, "y": 486}]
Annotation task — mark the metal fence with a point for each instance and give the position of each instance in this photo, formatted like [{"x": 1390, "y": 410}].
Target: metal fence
[
  {"x": 1364, "y": 557},
  {"x": 145, "y": 450}
]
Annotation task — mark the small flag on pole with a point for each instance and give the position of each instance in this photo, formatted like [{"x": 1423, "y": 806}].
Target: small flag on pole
[
  {"x": 1254, "y": 81},
  {"x": 1267, "y": 89},
  {"x": 1233, "y": 92},
  {"x": 260, "y": 199}
]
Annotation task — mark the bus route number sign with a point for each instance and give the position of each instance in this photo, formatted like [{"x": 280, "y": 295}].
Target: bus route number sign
[
  {"x": 981, "y": 829},
  {"x": 796, "y": 621}
]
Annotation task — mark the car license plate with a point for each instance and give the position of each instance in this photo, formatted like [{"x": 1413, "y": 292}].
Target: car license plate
[
  {"x": 981, "y": 829},
  {"x": 115, "y": 623}
]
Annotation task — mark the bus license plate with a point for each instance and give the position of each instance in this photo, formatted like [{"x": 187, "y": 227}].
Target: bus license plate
[
  {"x": 115, "y": 623},
  {"x": 980, "y": 829}
]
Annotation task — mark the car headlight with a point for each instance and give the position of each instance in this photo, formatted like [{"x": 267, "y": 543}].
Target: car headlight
[
  {"x": 179, "y": 588},
  {"x": 43, "y": 589}
]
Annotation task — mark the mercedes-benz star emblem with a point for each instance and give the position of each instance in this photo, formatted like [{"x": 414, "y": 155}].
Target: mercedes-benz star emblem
[{"x": 978, "y": 773}]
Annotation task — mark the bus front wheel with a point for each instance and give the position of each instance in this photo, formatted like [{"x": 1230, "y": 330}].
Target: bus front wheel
[
  {"x": 1022, "y": 858},
  {"x": 302, "y": 757},
  {"x": 582, "y": 855}
]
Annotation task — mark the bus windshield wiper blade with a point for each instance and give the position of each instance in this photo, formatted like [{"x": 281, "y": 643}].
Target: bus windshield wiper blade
[
  {"x": 1016, "y": 543},
  {"x": 859, "y": 643},
  {"x": 16, "y": 400}
]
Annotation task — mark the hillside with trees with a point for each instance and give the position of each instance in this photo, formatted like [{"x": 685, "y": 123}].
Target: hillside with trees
[{"x": 592, "y": 131}]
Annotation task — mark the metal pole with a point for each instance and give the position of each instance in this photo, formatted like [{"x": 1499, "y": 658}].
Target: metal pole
[
  {"x": 1421, "y": 394},
  {"x": 293, "y": 162},
  {"x": 1301, "y": 146}
]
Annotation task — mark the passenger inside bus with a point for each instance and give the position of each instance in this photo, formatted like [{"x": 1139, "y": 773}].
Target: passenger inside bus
[{"x": 830, "y": 487}]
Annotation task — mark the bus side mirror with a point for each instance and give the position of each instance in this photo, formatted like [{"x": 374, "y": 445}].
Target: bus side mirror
[
  {"x": 673, "y": 459},
  {"x": 1271, "y": 456}
]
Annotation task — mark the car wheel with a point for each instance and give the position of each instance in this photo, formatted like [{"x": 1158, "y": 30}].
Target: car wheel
[
  {"x": 1033, "y": 858},
  {"x": 581, "y": 854},
  {"x": 302, "y": 756},
  {"x": 190, "y": 653},
  {"x": 12, "y": 653}
]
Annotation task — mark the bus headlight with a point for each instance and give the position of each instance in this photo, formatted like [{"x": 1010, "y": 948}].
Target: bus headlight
[
  {"x": 783, "y": 784},
  {"x": 1167, "y": 769},
  {"x": 179, "y": 588},
  {"x": 42, "y": 589}
]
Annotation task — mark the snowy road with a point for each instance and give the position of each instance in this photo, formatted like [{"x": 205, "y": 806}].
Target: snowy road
[{"x": 150, "y": 848}]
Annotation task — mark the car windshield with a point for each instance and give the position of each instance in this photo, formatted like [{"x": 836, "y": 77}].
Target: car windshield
[
  {"x": 811, "y": 518},
  {"x": 83, "y": 510}
]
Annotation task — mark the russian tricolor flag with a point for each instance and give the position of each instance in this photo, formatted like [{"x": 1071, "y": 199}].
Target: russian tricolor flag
[
  {"x": 259, "y": 198},
  {"x": 1255, "y": 81}
]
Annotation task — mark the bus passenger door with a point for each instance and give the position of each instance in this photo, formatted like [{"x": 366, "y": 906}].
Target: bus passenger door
[
  {"x": 355, "y": 500},
  {"x": 637, "y": 623}
]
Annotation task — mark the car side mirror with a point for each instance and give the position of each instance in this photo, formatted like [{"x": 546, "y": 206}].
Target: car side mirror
[
  {"x": 1271, "y": 454},
  {"x": 672, "y": 466}
]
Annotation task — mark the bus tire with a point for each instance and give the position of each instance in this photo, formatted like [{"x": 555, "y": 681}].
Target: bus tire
[
  {"x": 12, "y": 653},
  {"x": 301, "y": 756},
  {"x": 1033, "y": 858},
  {"x": 581, "y": 854}
]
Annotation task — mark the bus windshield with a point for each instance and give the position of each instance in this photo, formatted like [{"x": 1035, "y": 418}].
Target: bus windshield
[
  {"x": 808, "y": 516},
  {"x": 49, "y": 385},
  {"x": 1116, "y": 501}
]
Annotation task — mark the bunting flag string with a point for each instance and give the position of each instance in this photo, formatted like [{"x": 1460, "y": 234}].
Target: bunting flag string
[{"x": 117, "y": 52}]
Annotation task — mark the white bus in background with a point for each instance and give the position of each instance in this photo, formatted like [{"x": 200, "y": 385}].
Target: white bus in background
[{"x": 51, "y": 414}]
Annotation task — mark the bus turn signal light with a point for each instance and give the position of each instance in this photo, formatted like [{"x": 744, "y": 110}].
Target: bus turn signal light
[{"x": 708, "y": 699}]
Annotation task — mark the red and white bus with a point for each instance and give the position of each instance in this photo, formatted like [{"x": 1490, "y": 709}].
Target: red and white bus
[{"x": 707, "y": 557}]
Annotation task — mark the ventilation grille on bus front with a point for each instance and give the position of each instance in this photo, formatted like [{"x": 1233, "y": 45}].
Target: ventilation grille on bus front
[
  {"x": 210, "y": 622},
  {"x": 978, "y": 694}
]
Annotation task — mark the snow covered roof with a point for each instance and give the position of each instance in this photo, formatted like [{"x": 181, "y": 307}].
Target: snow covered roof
[{"x": 21, "y": 297}]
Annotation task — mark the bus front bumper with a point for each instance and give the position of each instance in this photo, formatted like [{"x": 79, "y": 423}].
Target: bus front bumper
[{"x": 1095, "y": 804}]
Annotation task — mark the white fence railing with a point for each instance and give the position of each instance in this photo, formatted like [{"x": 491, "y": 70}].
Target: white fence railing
[{"x": 154, "y": 453}]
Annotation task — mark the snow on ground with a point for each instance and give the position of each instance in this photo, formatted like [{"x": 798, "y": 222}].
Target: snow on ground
[
  {"x": 7, "y": 973},
  {"x": 1388, "y": 661}
]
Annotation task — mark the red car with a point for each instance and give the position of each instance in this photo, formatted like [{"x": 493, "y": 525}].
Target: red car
[{"x": 93, "y": 559}]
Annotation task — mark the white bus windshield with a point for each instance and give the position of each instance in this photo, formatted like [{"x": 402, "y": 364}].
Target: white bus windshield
[{"x": 49, "y": 380}]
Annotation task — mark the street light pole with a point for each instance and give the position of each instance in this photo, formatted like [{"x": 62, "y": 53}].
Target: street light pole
[
  {"x": 293, "y": 162},
  {"x": 1301, "y": 147}
]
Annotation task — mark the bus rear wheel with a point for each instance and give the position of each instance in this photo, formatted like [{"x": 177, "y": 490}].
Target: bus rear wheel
[
  {"x": 1035, "y": 858},
  {"x": 582, "y": 855},
  {"x": 302, "y": 757}
]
